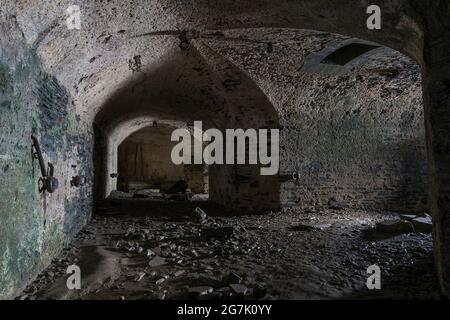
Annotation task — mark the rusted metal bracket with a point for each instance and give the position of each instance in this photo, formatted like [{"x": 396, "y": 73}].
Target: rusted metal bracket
[{"x": 47, "y": 182}]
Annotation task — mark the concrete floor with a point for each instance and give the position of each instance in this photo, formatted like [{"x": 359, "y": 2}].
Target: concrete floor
[{"x": 313, "y": 253}]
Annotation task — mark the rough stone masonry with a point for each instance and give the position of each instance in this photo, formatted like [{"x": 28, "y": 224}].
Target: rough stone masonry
[{"x": 363, "y": 114}]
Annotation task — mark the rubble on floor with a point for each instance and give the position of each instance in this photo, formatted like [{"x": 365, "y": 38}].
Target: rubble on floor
[
  {"x": 191, "y": 250},
  {"x": 395, "y": 226},
  {"x": 199, "y": 214},
  {"x": 407, "y": 224}
]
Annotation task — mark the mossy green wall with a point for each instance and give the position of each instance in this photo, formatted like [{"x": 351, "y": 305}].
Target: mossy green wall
[{"x": 35, "y": 227}]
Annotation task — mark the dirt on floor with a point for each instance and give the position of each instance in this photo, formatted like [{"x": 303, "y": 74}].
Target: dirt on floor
[{"x": 159, "y": 249}]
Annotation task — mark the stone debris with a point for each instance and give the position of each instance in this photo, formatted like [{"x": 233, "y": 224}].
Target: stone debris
[
  {"x": 140, "y": 276},
  {"x": 238, "y": 257},
  {"x": 323, "y": 227},
  {"x": 408, "y": 217},
  {"x": 395, "y": 227},
  {"x": 422, "y": 223},
  {"x": 336, "y": 205},
  {"x": 157, "y": 262},
  {"x": 199, "y": 291},
  {"x": 233, "y": 278},
  {"x": 239, "y": 289},
  {"x": 199, "y": 214}
]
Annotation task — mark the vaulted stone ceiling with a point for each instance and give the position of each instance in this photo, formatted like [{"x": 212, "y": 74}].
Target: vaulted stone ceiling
[{"x": 118, "y": 39}]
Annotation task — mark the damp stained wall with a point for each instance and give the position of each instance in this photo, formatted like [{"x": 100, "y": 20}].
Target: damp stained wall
[{"x": 34, "y": 227}]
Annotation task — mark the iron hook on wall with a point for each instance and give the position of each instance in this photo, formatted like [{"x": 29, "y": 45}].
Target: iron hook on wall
[{"x": 47, "y": 182}]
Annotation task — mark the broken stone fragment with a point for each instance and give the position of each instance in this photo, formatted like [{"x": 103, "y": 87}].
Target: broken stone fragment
[
  {"x": 140, "y": 276},
  {"x": 193, "y": 253},
  {"x": 199, "y": 214},
  {"x": 233, "y": 278},
  {"x": 423, "y": 223},
  {"x": 239, "y": 289},
  {"x": 156, "y": 250},
  {"x": 150, "y": 253},
  {"x": 395, "y": 226},
  {"x": 189, "y": 193},
  {"x": 408, "y": 217},
  {"x": 225, "y": 292},
  {"x": 199, "y": 291},
  {"x": 179, "y": 273},
  {"x": 157, "y": 262},
  {"x": 249, "y": 295},
  {"x": 322, "y": 227}
]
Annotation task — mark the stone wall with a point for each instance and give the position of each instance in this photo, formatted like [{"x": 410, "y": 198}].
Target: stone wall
[
  {"x": 357, "y": 137},
  {"x": 34, "y": 227},
  {"x": 144, "y": 161},
  {"x": 197, "y": 178}
]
